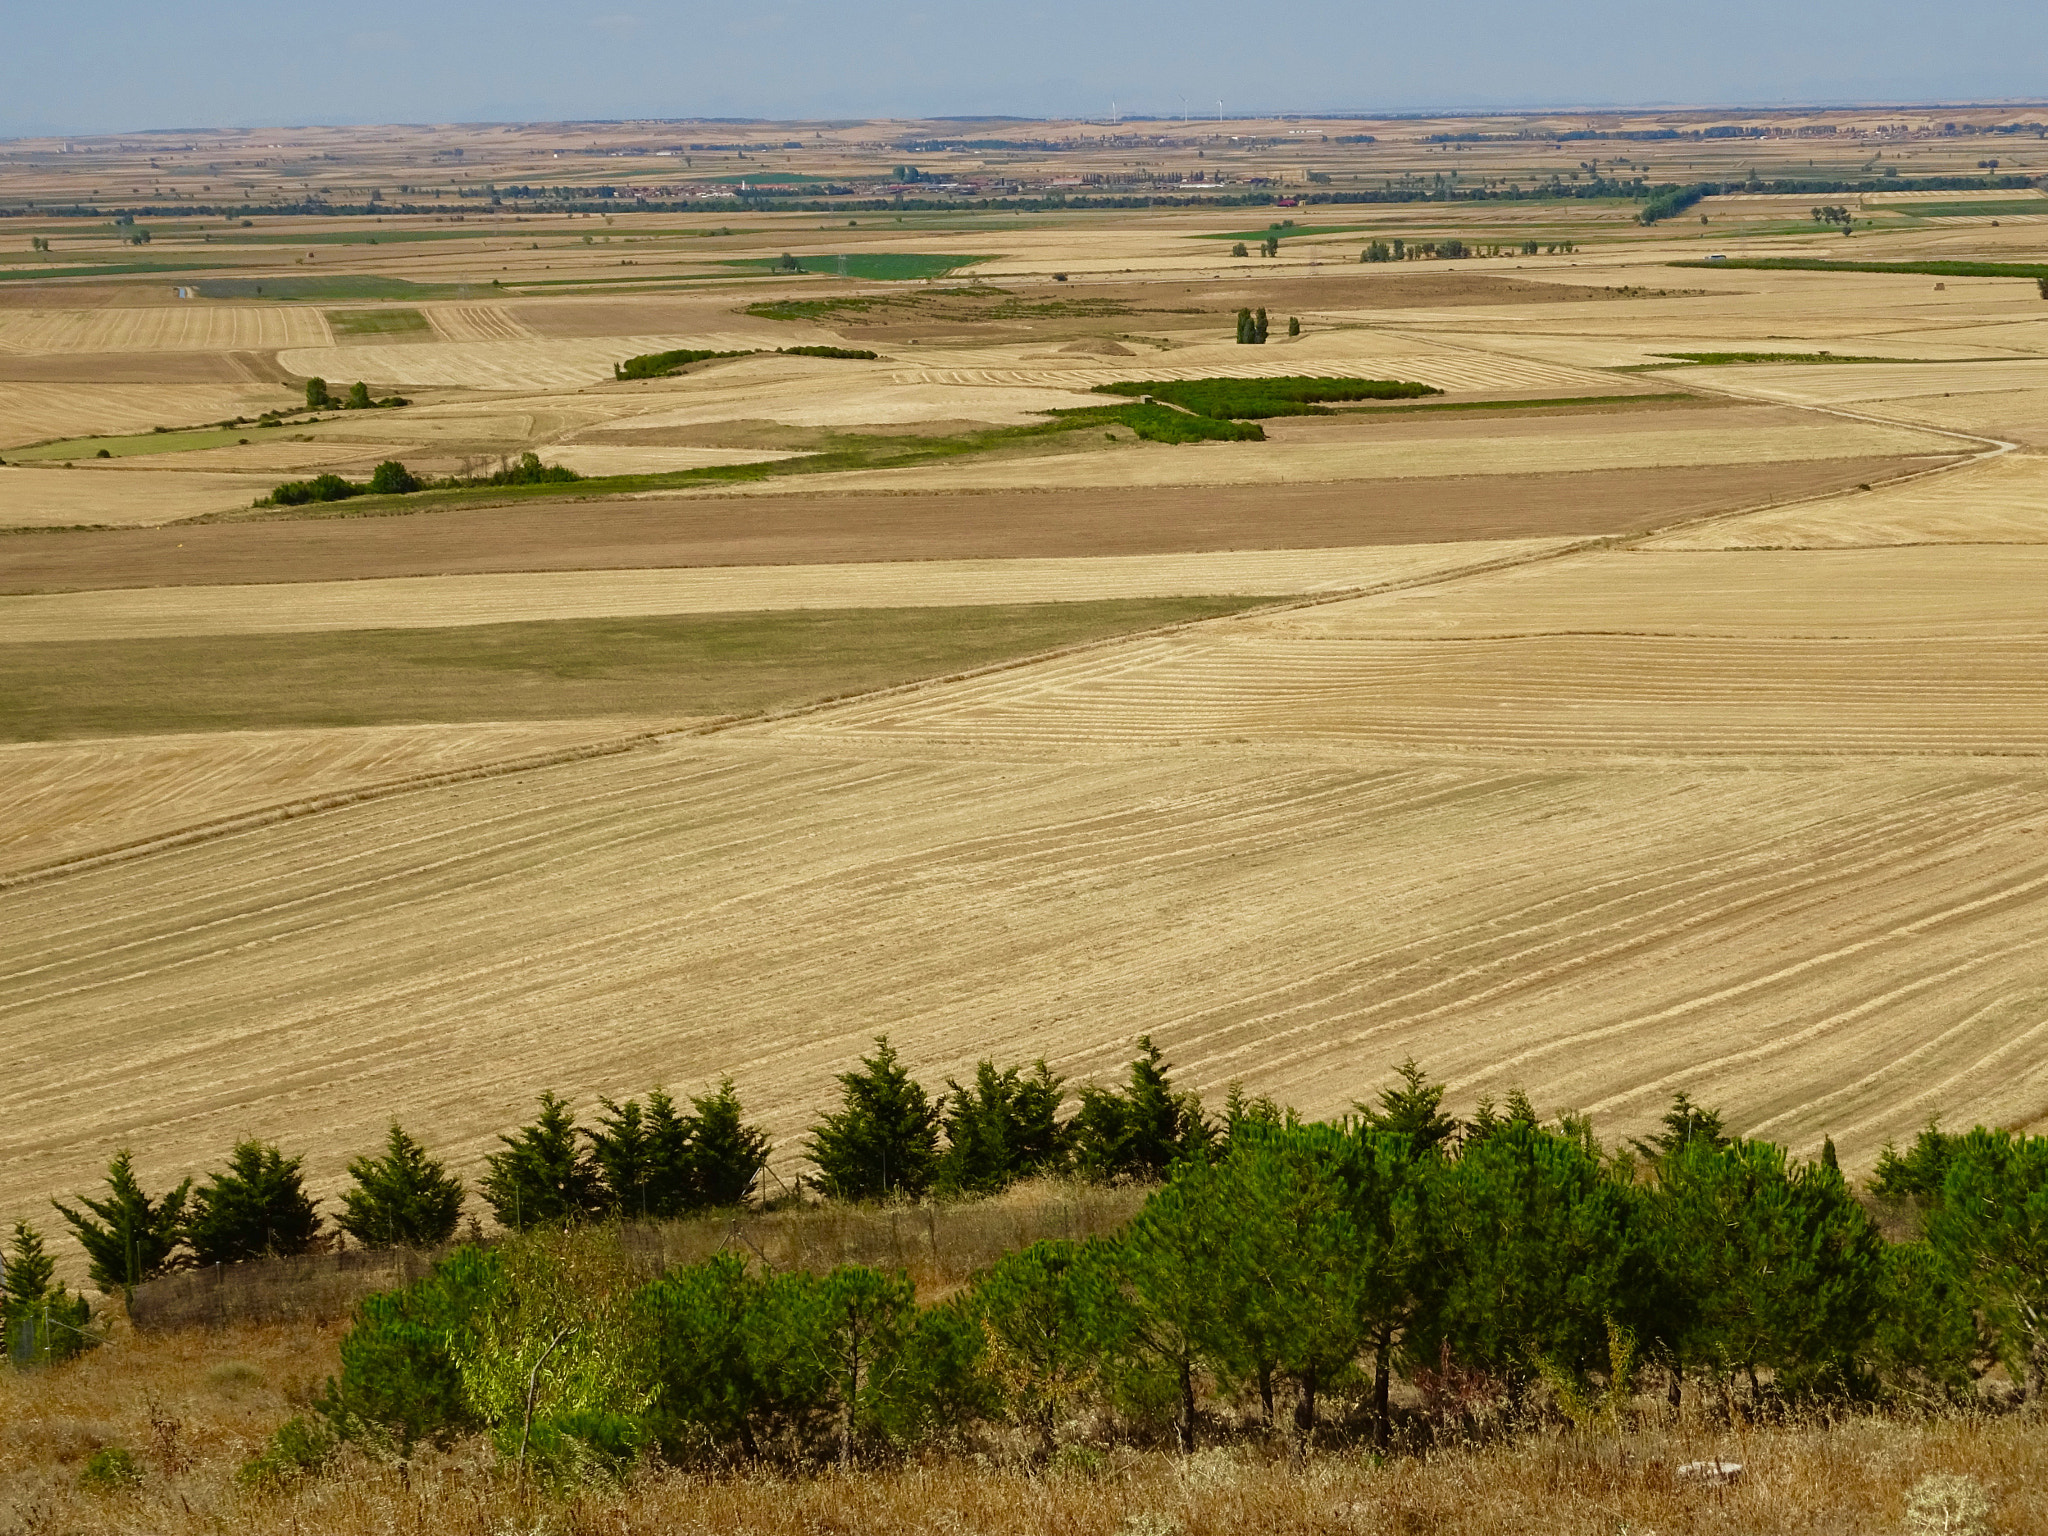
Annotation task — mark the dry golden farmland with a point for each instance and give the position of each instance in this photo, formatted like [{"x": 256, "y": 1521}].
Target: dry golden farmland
[{"x": 1616, "y": 746}]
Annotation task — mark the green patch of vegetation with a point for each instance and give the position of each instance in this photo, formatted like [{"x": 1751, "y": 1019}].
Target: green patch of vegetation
[
  {"x": 659, "y": 365},
  {"x": 2033, "y": 270},
  {"x": 1243, "y": 399},
  {"x": 107, "y": 269},
  {"x": 130, "y": 446},
  {"x": 1986, "y": 210},
  {"x": 339, "y": 287},
  {"x": 872, "y": 266},
  {"x": 392, "y": 478},
  {"x": 110, "y": 1469},
  {"x": 377, "y": 322},
  {"x": 1155, "y": 423},
  {"x": 668, "y": 666},
  {"x": 1163, "y": 424},
  {"x": 851, "y": 354},
  {"x": 1556, "y": 403}
]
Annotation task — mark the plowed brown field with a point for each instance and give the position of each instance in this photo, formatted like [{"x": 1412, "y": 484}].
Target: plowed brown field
[{"x": 799, "y": 529}]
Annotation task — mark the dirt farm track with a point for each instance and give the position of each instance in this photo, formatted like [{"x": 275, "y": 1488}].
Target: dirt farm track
[{"x": 1642, "y": 688}]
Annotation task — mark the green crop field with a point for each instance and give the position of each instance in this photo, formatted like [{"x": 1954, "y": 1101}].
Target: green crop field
[
  {"x": 2027, "y": 269},
  {"x": 669, "y": 666},
  {"x": 377, "y": 322},
  {"x": 2005, "y": 210},
  {"x": 132, "y": 445}
]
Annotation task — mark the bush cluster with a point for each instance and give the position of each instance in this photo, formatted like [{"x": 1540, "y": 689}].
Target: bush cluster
[
  {"x": 1505, "y": 1267},
  {"x": 1252, "y": 399},
  {"x": 391, "y": 478}
]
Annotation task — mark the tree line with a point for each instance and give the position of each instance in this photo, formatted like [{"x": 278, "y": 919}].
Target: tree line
[{"x": 1281, "y": 1279}]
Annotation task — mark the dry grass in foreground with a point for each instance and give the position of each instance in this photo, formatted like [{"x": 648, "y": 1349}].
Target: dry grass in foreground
[{"x": 191, "y": 1406}]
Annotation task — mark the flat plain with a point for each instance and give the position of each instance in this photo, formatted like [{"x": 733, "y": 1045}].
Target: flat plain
[{"x": 1601, "y": 726}]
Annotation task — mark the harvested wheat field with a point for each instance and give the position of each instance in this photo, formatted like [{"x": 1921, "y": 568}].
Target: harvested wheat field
[
  {"x": 36, "y": 412},
  {"x": 52, "y": 496},
  {"x": 435, "y": 602},
  {"x": 1599, "y": 727},
  {"x": 75, "y": 797},
  {"x": 2000, "y": 501}
]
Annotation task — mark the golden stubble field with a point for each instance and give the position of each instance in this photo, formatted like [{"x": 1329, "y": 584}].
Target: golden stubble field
[{"x": 1649, "y": 751}]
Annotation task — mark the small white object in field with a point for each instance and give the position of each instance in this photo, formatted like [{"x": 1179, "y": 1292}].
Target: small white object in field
[
  {"x": 1712, "y": 1474},
  {"x": 1948, "y": 1504}
]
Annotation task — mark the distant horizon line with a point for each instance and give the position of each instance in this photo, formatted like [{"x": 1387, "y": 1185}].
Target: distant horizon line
[{"x": 1346, "y": 114}]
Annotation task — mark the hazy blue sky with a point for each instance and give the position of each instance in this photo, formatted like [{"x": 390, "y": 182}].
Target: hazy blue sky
[{"x": 127, "y": 64}]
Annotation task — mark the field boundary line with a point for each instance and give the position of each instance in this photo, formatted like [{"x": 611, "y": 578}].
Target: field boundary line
[{"x": 292, "y": 810}]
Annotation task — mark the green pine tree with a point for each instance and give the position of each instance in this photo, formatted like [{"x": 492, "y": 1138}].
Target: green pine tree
[
  {"x": 256, "y": 1207},
  {"x": 404, "y": 1199},
  {"x": 1684, "y": 1123},
  {"x": 884, "y": 1139},
  {"x": 128, "y": 1237},
  {"x": 1035, "y": 1308},
  {"x": 726, "y": 1154},
  {"x": 543, "y": 1177},
  {"x": 1772, "y": 1266},
  {"x": 40, "y": 1322},
  {"x": 1142, "y": 1131},
  {"x": 1413, "y": 1107},
  {"x": 1004, "y": 1128}
]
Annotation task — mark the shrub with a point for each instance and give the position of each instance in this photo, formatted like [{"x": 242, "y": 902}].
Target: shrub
[
  {"x": 299, "y": 1448},
  {"x": 299, "y": 493},
  {"x": 400, "y": 1382},
  {"x": 402, "y": 1199},
  {"x": 110, "y": 1469},
  {"x": 855, "y": 353},
  {"x": 392, "y": 478},
  {"x": 527, "y": 469},
  {"x": 358, "y": 396}
]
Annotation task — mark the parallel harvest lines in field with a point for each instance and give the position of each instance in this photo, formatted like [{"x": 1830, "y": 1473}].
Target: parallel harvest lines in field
[
  {"x": 1838, "y": 951},
  {"x": 191, "y": 327},
  {"x": 66, "y": 798},
  {"x": 34, "y": 413},
  {"x": 476, "y": 322},
  {"x": 2000, "y": 501},
  {"x": 1570, "y": 698}
]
